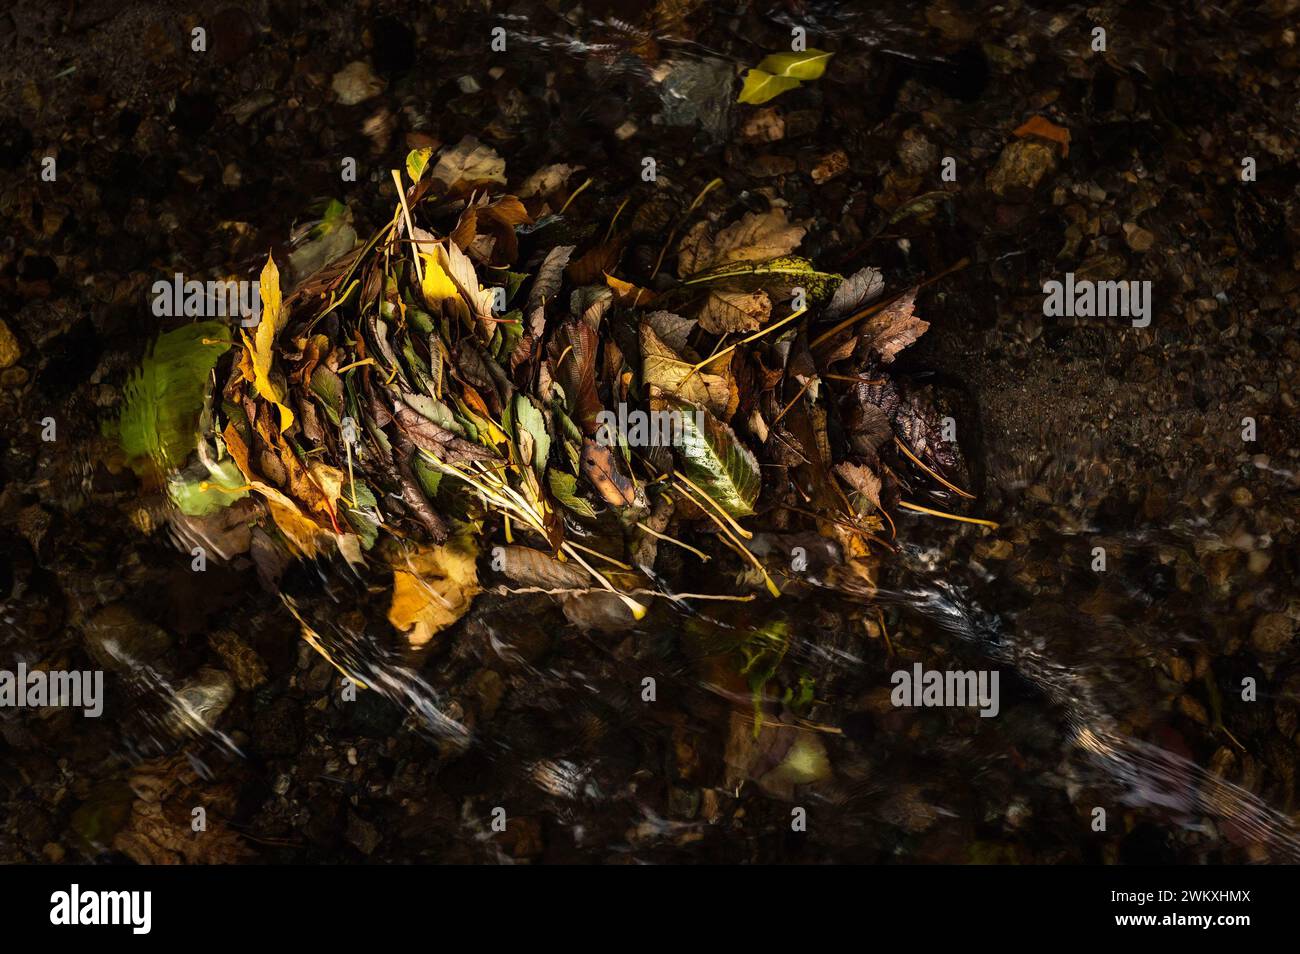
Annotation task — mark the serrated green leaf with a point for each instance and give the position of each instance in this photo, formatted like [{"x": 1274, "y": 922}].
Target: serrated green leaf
[
  {"x": 164, "y": 397},
  {"x": 564, "y": 487},
  {"x": 530, "y": 420},
  {"x": 715, "y": 460},
  {"x": 325, "y": 384}
]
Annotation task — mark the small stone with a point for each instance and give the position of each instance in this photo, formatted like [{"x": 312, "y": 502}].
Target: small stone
[
  {"x": 1022, "y": 165},
  {"x": 1138, "y": 238},
  {"x": 355, "y": 83},
  {"x": 1272, "y": 632},
  {"x": 1242, "y": 497},
  {"x": 10, "y": 351},
  {"x": 765, "y": 125},
  {"x": 202, "y": 700},
  {"x": 231, "y": 177},
  {"x": 362, "y": 835},
  {"x": 626, "y": 131},
  {"x": 240, "y": 658},
  {"x": 830, "y": 165},
  {"x": 118, "y": 639},
  {"x": 468, "y": 84}
]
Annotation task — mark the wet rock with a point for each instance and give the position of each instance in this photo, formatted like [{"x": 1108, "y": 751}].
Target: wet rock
[
  {"x": 1272, "y": 632},
  {"x": 119, "y": 639},
  {"x": 201, "y": 700},
  {"x": 10, "y": 351},
  {"x": 698, "y": 93},
  {"x": 240, "y": 658},
  {"x": 764, "y": 125},
  {"x": 832, "y": 164},
  {"x": 355, "y": 83},
  {"x": 1138, "y": 238},
  {"x": 362, "y": 835},
  {"x": 1021, "y": 167}
]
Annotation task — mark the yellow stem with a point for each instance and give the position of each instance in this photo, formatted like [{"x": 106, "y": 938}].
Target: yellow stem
[{"x": 947, "y": 516}]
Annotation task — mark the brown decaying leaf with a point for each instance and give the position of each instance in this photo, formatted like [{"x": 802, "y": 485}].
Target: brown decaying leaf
[
  {"x": 531, "y": 567},
  {"x": 893, "y": 329},
  {"x": 600, "y": 467},
  {"x": 467, "y": 164},
  {"x": 727, "y": 311},
  {"x": 757, "y": 237},
  {"x": 862, "y": 480},
  {"x": 439, "y": 442},
  {"x": 661, "y": 368},
  {"x": 573, "y": 353}
]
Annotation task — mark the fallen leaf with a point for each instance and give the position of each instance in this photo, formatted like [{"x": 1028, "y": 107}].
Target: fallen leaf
[
  {"x": 601, "y": 469},
  {"x": 727, "y": 311},
  {"x": 432, "y": 588},
  {"x": 437, "y": 284},
  {"x": 780, "y": 72},
  {"x": 858, "y": 290},
  {"x": 761, "y": 86},
  {"x": 1046, "y": 129},
  {"x": 805, "y": 65},
  {"x": 757, "y": 237},
  {"x": 862, "y": 480},
  {"x": 417, "y": 161},
  {"x": 627, "y": 294},
  {"x": 537, "y": 568},
  {"x": 661, "y": 368},
  {"x": 715, "y": 459},
  {"x": 894, "y": 328},
  {"x": 262, "y": 348},
  {"x": 467, "y": 164},
  {"x": 546, "y": 180}
]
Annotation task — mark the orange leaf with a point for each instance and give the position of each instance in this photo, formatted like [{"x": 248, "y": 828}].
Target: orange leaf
[{"x": 1044, "y": 129}]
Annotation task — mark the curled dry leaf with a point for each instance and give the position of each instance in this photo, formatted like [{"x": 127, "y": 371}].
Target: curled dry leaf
[{"x": 894, "y": 328}]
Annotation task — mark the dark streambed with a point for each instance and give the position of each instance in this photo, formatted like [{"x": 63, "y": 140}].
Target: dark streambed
[{"x": 1120, "y": 689}]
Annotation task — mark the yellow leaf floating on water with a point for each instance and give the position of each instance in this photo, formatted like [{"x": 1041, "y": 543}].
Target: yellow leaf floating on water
[
  {"x": 262, "y": 347},
  {"x": 781, "y": 72},
  {"x": 808, "y": 65},
  {"x": 432, "y": 588}
]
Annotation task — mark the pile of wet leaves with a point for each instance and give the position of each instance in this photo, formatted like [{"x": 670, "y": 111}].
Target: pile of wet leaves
[{"x": 488, "y": 377}]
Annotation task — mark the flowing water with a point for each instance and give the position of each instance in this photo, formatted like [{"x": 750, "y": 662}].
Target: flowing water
[{"x": 1120, "y": 689}]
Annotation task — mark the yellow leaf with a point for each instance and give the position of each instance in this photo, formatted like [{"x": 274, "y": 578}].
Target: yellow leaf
[
  {"x": 627, "y": 294},
  {"x": 760, "y": 86},
  {"x": 808, "y": 65},
  {"x": 432, "y": 588},
  {"x": 262, "y": 347},
  {"x": 417, "y": 160},
  {"x": 437, "y": 285},
  {"x": 781, "y": 72}
]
